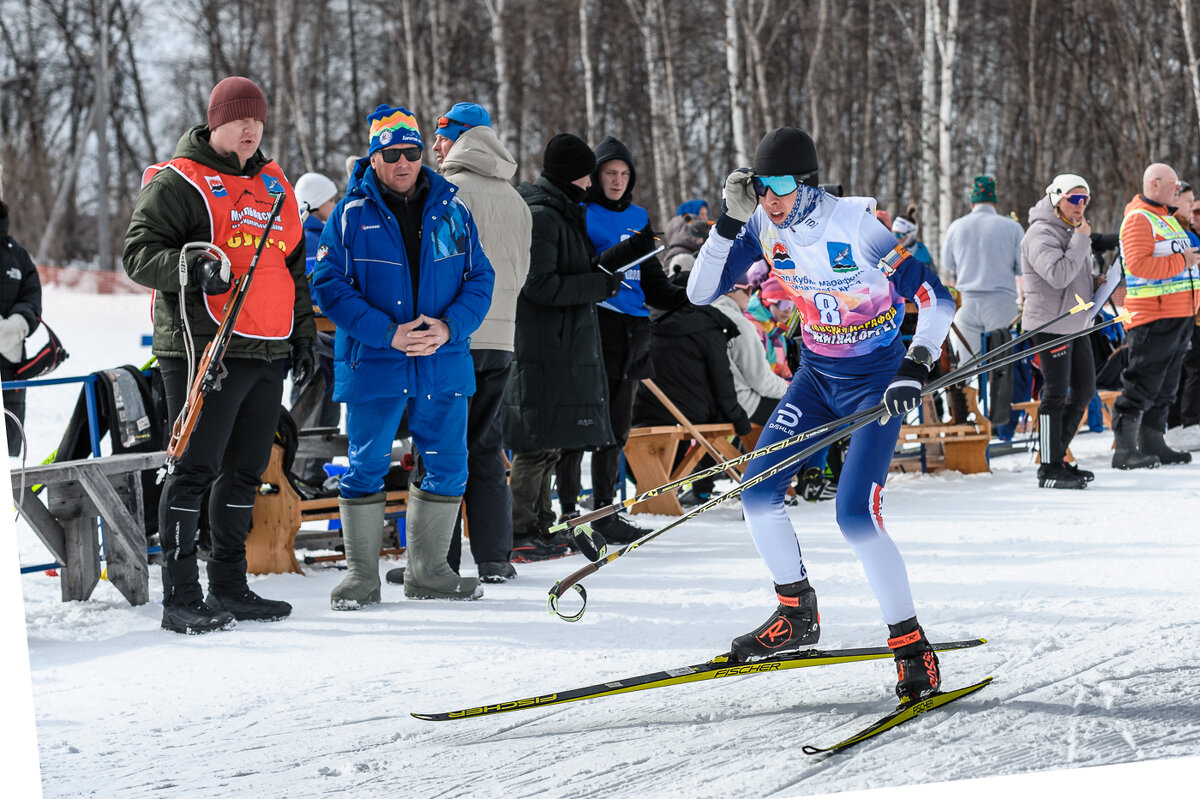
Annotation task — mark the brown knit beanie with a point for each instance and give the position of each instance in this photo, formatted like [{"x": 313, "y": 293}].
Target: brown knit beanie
[{"x": 235, "y": 98}]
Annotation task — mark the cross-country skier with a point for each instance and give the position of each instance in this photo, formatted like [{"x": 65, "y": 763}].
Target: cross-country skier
[{"x": 850, "y": 279}]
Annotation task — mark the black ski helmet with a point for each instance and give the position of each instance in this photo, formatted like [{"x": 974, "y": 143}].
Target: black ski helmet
[{"x": 787, "y": 151}]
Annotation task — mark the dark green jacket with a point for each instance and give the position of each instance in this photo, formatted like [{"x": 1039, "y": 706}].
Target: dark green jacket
[{"x": 170, "y": 213}]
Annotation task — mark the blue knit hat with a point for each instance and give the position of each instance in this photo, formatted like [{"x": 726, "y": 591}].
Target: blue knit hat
[
  {"x": 461, "y": 117},
  {"x": 691, "y": 207},
  {"x": 391, "y": 126}
]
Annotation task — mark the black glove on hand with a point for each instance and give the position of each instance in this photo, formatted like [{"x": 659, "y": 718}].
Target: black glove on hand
[
  {"x": 643, "y": 241},
  {"x": 206, "y": 272},
  {"x": 614, "y": 284},
  {"x": 304, "y": 363},
  {"x": 904, "y": 392}
]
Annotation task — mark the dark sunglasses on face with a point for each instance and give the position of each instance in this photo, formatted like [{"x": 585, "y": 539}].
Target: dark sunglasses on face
[
  {"x": 1077, "y": 199},
  {"x": 392, "y": 155}
]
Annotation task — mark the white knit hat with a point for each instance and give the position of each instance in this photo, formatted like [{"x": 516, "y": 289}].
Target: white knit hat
[
  {"x": 1063, "y": 184},
  {"x": 314, "y": 190}
]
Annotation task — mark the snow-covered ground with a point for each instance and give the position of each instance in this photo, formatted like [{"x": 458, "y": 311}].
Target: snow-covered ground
[{"x": 1088, "y": 601}]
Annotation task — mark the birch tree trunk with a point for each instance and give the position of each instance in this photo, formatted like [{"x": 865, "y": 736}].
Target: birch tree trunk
[
  {"x": 948, "y": 50},
  {"x": 495, "y": 9},
  {"x": 410, "y": 51},
  {"x": 589, "y": 70},
  {"x": 928, "y": 162},
  {"x": 1185, "y": 14},
  {"x": 646, "y": 15},
  {"x": 674, "y": 127},
  {"x": 733, "y": 69},
  {"x": 814, "y": 58}
]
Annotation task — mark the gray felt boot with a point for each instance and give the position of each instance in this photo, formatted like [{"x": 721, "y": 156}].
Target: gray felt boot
[
  {"x": 430, "y": 525},
  {"x": 362, "y": 532}
]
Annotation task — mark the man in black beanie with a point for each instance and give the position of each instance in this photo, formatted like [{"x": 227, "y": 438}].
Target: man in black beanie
[
  {"x": 557, "y": 395},
  {"x": 850, "y": 280}
]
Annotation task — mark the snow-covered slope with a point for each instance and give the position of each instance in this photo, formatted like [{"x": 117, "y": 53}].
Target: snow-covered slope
[{"x": 1088, "y": 600}]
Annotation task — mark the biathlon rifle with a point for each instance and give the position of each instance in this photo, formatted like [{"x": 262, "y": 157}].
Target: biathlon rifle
[{"x": 211, "y": 370}]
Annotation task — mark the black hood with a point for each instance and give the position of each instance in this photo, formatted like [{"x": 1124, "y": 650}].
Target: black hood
[{"x": 612, "y": 149}]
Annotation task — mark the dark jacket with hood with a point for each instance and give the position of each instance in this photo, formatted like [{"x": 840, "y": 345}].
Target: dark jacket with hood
[
  {"x": 170, "y": 213},
  {"x": 557, "y": 394},
  {"x": 20, "y": 287},
  {"x": 691, "y": 361},
  {"x": 626, "y": 337}
]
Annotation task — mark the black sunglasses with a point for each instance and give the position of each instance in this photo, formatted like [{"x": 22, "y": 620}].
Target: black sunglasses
[{"x": 392, "y": 155}]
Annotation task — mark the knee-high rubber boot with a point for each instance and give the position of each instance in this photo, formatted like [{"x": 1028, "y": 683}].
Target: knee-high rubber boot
[
  {"x": 429, "y": 525},
  {"x": 1151, "y": 442},
  {"x": 362, "y": 532},
  {"x": 1125, "y": 437}
]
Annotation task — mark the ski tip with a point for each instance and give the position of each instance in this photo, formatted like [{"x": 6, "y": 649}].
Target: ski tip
[{"x": 424, "y": 716}]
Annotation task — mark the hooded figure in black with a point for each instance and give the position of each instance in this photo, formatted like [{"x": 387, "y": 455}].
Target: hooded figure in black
[
  {"x": 620, "y": 233},
  {"x": 20, "y": 307},
  {"x": 557, "y": 395}
]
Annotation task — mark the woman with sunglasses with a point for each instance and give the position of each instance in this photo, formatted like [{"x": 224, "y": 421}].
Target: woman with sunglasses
[
  {"x": 1056, "y": 266},
  {"x": 850, "y": 279}
]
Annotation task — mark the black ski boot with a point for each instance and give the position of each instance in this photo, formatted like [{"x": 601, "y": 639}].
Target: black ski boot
[
  {"x": 917, "y": 672},
  {"x": 795, "y": 625},
  {"x": 1125, "y": 439},
  {"x": 1151, "y": 442},
  {"x": 1070, "y": 424}
]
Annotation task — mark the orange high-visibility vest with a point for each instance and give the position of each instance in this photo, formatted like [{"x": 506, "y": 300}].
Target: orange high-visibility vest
[{"x": 238, "y": 207}]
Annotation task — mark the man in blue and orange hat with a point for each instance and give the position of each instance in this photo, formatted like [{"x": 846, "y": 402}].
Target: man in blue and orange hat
[{"x": 401, "y": 273}]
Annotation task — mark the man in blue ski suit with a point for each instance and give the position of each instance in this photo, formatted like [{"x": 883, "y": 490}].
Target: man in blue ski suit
[
  {"x": 850, "y": 280},
  {"x": 401, "y": 273}
]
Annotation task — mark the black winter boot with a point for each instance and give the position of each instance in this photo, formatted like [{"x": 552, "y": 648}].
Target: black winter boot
[
  {"x": 1125, "y": 438},
  {"x": 917, "y": 671},
  {"x": 1053, "y": 473},
  {"x": 1151, "y": 442},
  {"x": 245, "y": 605},
  {"x": 617, "y": 529},
  {"x": 795, "y": 625},
  {"x": 1059, "y": 475}
]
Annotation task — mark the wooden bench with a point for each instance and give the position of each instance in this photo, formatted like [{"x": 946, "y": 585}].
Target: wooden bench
[
  {"x": 79, "y": 494},
  {"x": 650, "y": 454},
  {"x": 956, "y": 447},
  {"x": 277, "y": 515}
]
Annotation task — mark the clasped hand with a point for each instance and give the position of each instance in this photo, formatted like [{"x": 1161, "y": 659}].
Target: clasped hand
[{"x": 422, "y": 336}]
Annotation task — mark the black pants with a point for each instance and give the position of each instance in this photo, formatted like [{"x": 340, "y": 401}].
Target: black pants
[
  {"x": 1151, "y": 377},
  {"x": 487, "y": 496},
  {"x": 14, "y": 401},
  {"x": 1188, "y": 412},
  {"x": 227, "y": 453},
  {"x": 1069, "y": 372},
  {"x": 606, "y": 461}
]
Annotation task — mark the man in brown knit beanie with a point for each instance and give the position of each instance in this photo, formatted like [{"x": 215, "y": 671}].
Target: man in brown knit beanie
[{"x": 219, "y": 188}]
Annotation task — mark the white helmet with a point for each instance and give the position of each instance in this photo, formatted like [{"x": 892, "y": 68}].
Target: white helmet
[{"x": 314, "y": 190}]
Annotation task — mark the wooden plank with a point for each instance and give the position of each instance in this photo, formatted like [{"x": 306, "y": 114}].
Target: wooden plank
[
  {"x": 81, "y": 567},
  {"x": 271, "y": 544},
  {"x": 50, "y": 473},
  {"x": 45, "y": 526},
  {"x": 125, "y": 535}
]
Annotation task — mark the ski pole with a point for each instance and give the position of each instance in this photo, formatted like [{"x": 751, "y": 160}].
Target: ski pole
[
  {"x": 585, "y": 539},
  {"x": 864, "y": 417}
]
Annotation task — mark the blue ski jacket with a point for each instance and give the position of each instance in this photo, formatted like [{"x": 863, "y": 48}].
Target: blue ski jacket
[{"x": 362, "y": 281}]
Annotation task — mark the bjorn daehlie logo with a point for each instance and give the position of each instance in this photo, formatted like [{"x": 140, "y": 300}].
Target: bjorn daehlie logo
[{"x": 840, "y": 256}]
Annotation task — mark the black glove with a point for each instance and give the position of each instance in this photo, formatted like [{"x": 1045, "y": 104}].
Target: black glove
[
  {"x": 904, "y": 392},
  {"x": 614, "y": 284},
  {"x": 304, "y": 363},
  {"x": 629, "y": 250},
  {"x": 206, "y": 272}
]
